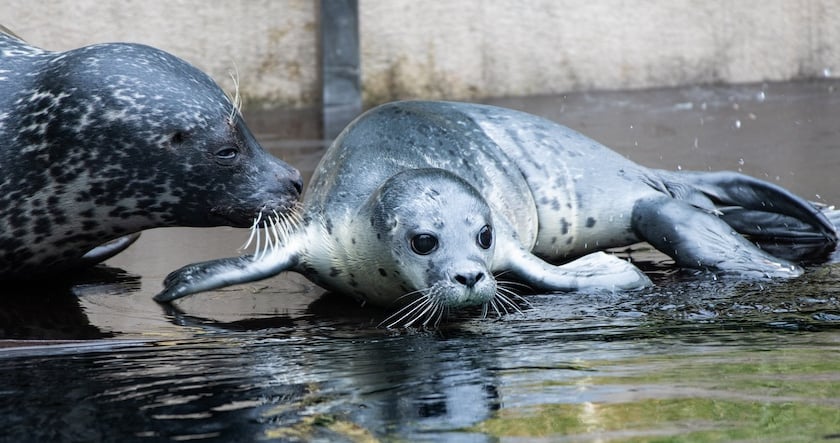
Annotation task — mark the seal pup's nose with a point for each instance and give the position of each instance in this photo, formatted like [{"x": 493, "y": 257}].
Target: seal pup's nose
[{"x": 469, "y": 279}]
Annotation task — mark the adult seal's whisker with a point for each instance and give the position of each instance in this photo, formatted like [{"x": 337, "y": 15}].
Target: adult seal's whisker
[{"x": 254, "y": 228}]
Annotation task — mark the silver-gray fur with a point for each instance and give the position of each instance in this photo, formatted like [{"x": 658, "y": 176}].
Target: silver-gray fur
[
  {"x": 106, "y": 140},
  {"x": 403, "y": 200}
]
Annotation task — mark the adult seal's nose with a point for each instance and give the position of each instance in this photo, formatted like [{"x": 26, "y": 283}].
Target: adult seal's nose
[{"x": 296, "y": 182}]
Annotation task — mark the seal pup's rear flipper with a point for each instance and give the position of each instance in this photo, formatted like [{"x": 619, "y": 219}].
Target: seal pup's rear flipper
[
  {"x": 783, "y": 236},
  {"x": 694, "y": 238},
  {"x": 214, "y": 274},
  {"x": 757, "y": 208},
  {"x": 596, "y": 271}
]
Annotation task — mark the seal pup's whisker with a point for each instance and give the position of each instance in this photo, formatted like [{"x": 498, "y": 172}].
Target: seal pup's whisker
[
  {"x": 428, "y": 313},
  {"x": 504, "y": 300},
  {"x": 442, "y": 311},
  {"x": 402, "y": 309},
  {"x": 502, "y": 306},
  {"x": 408, "y": 309},
  {"x": 512, "y": 293},
  {"x": 411, "y": 316},
  {"x": 495, "y": 308},
  {"x": 512, "y": 282}
]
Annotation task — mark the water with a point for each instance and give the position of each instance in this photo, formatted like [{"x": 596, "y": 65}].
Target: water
[{"x": 695, "y": 358}]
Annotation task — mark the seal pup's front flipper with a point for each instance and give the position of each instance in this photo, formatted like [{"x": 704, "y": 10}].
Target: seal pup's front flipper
[
  {"x": 214, "y": 274},
  {"x": 695, "y": 238},
  {"x": 596, "y": 271}
]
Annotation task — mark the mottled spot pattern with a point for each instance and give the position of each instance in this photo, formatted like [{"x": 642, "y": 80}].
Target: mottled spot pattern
[{"x": 110, "y": 139}]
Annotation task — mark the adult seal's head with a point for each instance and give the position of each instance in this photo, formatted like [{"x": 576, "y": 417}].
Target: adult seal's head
[{"x": 107, "y": 140}]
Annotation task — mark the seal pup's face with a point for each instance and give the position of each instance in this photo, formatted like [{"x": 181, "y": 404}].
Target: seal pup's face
[{"x": 437, "y": 231}]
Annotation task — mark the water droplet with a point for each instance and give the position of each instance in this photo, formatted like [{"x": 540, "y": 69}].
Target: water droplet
[
  {"x": 761, "y": 96},
  {"x": 818, "y": 196},
  {"x": 679, "y": 167},
  {"x": 741, "y": 161},
  {"x": 826, "y": 72},
  {"x": 696, "y": 141},
  {"x": 737, "y": 124}
]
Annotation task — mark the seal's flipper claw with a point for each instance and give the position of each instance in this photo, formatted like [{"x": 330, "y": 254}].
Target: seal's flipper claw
[
  {"x": 596, "y": 271},
  {"x": 105, "y": 251},
  {"x": 696, "y": 239},
  {"x": 214, "y": 274}
]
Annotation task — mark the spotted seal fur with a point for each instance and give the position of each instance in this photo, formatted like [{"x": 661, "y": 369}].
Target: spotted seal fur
[
  {"x": 426, "y": 202},
  {"x": 104, "y": 141}
]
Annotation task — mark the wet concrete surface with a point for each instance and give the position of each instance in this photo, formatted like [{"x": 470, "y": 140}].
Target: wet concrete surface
[{"x": 279, "y": 359}]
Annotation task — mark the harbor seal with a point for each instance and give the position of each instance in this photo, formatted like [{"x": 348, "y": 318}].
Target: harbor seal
[
  {"x": 101, "y": 142},
  {"x": 428, "y": 203}
]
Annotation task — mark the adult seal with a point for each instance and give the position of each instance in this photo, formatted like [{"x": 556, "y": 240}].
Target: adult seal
[
  {"x": 425, "y": 202},
  {"x": 104, "y": 141}
]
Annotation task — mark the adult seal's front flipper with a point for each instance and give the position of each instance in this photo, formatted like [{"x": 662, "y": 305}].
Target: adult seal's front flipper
[
  {"x": 107, "y": 250},
  {"x": 695, "y": 238}
]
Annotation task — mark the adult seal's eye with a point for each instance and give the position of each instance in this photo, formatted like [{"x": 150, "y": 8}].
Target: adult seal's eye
[
  {"x": 485, "y": 237},
  {"x": 227, "y": 154},
  {"x": 424, "y": 244}
]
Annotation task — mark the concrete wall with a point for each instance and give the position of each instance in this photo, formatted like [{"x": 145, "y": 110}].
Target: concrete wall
[{"x": 463, "y": 49}]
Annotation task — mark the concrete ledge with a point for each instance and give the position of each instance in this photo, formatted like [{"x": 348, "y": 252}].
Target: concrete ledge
[{"x": 463, "y": 49}]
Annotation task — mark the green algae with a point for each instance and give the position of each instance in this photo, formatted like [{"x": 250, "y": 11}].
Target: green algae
[{"x": 790, "y": 394}]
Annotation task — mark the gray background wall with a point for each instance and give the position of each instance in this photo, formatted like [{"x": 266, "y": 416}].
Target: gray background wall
[{"x": 462, "y": 49}]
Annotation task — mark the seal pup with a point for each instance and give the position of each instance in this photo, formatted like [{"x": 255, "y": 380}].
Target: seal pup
[
  {"x": 425, "y": 202},
  {"x": 104, "y": 141}
]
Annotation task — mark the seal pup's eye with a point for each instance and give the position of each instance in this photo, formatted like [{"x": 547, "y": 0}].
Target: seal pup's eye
[
  {"x": 424, "y": 244},
  {"x": 485, "y": 237}
]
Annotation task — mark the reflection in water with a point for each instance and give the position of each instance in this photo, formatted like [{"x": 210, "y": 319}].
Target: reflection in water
[
  {"x": 51, "y": 310},
  {"x": 695, "y": 358}
]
